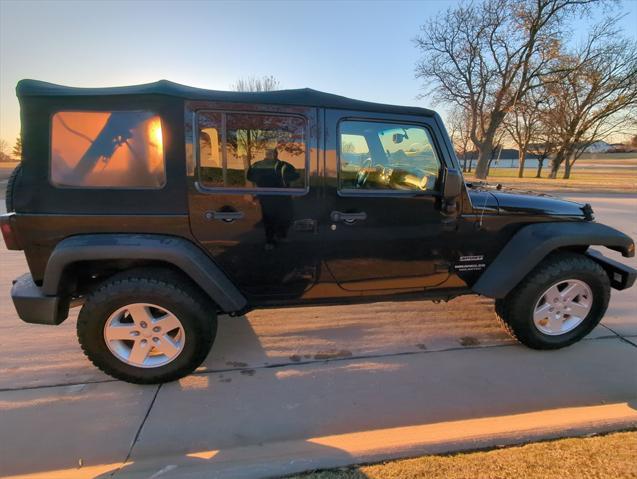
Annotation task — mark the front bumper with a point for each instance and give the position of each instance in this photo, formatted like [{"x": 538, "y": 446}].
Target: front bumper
[
  {"x": 35, "y": 307},
  {"x": 620, "y": 275}
]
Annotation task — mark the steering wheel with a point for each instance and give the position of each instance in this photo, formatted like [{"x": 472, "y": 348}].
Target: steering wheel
[{"x": 363, "y": 173}]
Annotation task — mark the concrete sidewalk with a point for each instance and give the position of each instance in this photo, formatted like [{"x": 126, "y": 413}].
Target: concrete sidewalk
[
  {"x": 275, "y": 420},
  {"x": 288, "y": 390}
]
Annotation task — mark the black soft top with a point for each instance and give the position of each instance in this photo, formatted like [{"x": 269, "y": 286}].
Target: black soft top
[{"x": 297, "y": 97}]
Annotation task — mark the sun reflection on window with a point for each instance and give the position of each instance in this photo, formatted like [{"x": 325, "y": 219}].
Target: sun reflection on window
[{"x": 155, "y": 134}]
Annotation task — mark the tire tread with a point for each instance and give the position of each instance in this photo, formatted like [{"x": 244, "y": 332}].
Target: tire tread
[
  {"x": 9, "y": 191},
  {"x": 138, "y": 282},
  {"x": 510, "y": 310}
]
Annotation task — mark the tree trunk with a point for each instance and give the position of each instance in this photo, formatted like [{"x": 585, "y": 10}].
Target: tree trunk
[
  {"x": 568, "y": 164},
  {"x": 486, "y": 145},
  {"x": 484, "y": 159},
  {"x": 556, "y": 163},
  {"x": 540, "y": 163},
  {"x": 521, "y": 159},
  {"x": 247, "y": 163},
  {"x": 485, "y": 152},
  {"x": 464, "y": 164},
  {"x": 489, "y": 166}
]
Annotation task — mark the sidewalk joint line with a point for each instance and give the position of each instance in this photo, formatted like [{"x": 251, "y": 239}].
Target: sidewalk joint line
[
  {"x": 141, "y": 426},
  {"x": 375, "y": 356},
  {"x": 58, "y": 385},
  {"x": 139, "y": 430},
  {"x": 283, "y": 364},
  {"x": 319, "y": 361},
  {"x": 620, "y": 336},
  {"x": 350, "y": 358}
]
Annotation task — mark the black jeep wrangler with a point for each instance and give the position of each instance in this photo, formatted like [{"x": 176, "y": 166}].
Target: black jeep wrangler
[{"x": 157, "y": 207}]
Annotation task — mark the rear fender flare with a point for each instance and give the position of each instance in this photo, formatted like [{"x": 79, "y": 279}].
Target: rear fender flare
[
  {"x": 532, "y": 243},
  {"x": 176, "y": 251}
]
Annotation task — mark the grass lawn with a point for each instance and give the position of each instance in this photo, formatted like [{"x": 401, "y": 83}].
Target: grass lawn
[
  {"x": 609, "y": 456},
  {"x": 587, "y": 176}
]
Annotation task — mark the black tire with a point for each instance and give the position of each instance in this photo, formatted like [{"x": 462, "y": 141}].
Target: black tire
[
  {"x": 8, "y": 199},
  {"x": 196, "y": 313},
  {"x": 515, "y": 311}
]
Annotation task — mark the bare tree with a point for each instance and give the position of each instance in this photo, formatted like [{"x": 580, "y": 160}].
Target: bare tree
[
  {"x": 250, "y": 140},
  {"x": 597, "y": 97},
  {"x": 524, "y": 124},
  {"x": 542, "y": 148},
  {"x": 459, "y": 130},
  {"x": 17, "y": 149},
  {"x": 348, "y": 147},
  {"x": 485, "y": 57},
  {"x": 4, "y": 147},
  {"x": 498, "y": 145},
  {"x": 252, "y": 83}
]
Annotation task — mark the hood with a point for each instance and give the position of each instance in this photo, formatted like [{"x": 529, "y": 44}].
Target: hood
[{"x": 513, "y": 201}]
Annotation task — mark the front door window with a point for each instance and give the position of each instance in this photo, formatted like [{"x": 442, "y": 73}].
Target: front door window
[{"x": 387, "y": 157}]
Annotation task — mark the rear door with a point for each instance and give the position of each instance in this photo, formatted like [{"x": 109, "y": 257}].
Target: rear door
[
  {"x": 383, "y": 203},
  {"x": 253, "y": 195}
]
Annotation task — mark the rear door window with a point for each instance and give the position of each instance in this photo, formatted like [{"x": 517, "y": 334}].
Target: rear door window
[{"x": 252, "y": 151}]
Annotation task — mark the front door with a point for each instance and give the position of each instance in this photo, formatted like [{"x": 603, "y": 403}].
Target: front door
[
  {"x": 253, "y": 195},
  {"x": 383, "y": 203}
]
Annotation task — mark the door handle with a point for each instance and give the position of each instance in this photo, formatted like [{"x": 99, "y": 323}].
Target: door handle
[
  {"x": 227, "y": 216},
  {"x": 337, "y": 216}
]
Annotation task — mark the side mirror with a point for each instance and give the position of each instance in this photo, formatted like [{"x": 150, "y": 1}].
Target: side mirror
[{"x": 452, "y": 190}]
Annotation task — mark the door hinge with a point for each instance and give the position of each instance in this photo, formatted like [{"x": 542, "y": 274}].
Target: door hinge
[
  {"x": 305, "y": 224},
  {"x": 441, "y": 267}
]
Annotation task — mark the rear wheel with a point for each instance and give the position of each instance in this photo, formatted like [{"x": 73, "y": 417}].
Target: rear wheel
[
  {"x": 558, "y": 303},
  {"x": 145, "y": 330}
]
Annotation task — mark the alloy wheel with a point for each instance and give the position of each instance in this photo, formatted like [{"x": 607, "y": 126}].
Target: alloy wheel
[
  {"x": 144, "y": 335},
  {"x": 563, "y": 307}
]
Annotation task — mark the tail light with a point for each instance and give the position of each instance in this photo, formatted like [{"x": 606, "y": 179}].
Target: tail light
[{"x": 7, "y": 226}]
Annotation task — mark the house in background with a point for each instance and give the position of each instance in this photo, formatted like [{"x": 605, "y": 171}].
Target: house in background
[{"x": 598, "y": 147}]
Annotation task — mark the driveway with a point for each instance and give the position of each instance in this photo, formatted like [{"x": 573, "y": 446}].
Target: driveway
[{"x": 296, "y": 389}]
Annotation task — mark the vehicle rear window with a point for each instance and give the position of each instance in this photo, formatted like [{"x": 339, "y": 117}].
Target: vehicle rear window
[
  {"x": 107, "y": 149},
  {"x": 251, "y": 151}
]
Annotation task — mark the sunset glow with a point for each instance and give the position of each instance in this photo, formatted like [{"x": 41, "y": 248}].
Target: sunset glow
[{"x": 155, "y": 134}]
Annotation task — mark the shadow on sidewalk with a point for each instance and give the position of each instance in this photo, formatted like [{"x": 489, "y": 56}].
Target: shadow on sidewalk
[
  {"x": 252, "y": 391},
  {"x": 210, "y": 419},
  {"x": 215, "y": 436}
]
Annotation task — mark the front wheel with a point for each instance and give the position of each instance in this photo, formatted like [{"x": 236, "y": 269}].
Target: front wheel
[
  {"x": 558, "y": 303},
  {"x": 145, "y": 330}
]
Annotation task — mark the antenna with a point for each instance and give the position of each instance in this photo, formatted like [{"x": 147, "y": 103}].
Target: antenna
[{"x": 486, "y": 198}]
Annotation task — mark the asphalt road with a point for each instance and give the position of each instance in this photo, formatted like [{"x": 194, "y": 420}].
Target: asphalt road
[{"x": 295, "y": 389}]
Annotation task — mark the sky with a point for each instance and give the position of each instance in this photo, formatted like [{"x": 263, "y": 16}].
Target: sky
[{"x": 361, "y": 49}]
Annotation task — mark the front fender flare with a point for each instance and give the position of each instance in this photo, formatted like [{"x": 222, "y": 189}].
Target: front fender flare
[
  {"x": 532, "y": 243},
  {"x": 179, "y": 252}
]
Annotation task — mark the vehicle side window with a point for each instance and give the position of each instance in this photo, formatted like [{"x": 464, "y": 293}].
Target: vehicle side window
[
  {"x": 241, "y": 150},
  {"x": 386, "y": 156},
  {"x": 109, "y": 149}
]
